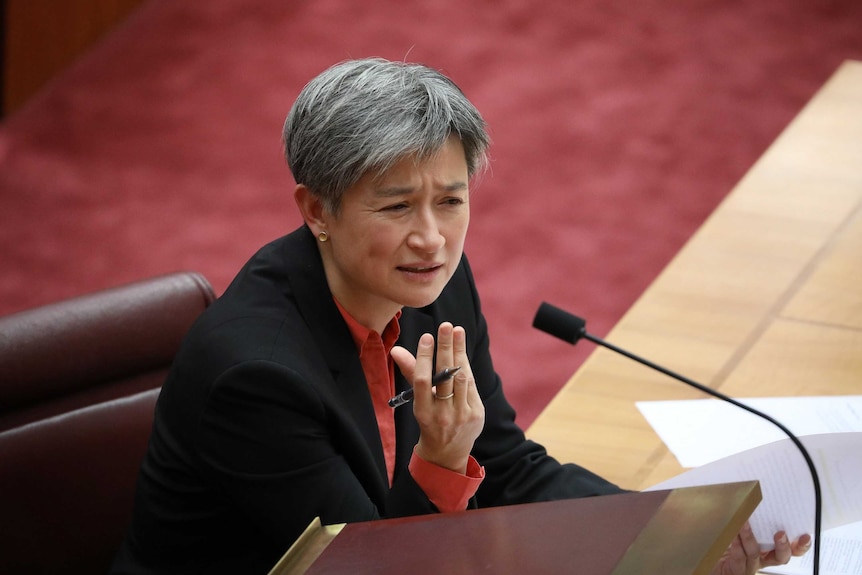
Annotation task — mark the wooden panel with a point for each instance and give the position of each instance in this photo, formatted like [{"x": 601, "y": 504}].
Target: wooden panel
[
  {"x": 44, "y": 36},
  {"x": 764, "y": 300},
  {"x": 800, "y": 358},
  {"x": 832, "y": 294}
]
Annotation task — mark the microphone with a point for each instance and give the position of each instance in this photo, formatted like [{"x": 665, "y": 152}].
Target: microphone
[{"x": 571, "y": 328}]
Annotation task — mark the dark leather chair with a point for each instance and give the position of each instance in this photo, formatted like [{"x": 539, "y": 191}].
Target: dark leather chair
[
  {"x": 78, "y": 383},
  {"x": 97, "y": 347},
  {"x": 67, "y": 486}
]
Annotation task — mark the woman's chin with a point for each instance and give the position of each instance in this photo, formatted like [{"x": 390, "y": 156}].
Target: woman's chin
[{"x": 418, "y": 300}]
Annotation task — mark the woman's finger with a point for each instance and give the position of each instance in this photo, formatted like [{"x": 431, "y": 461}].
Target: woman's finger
[
  {"x": 459, "y": 387},
  {"x": 750, "y": 547},
  {"x": 445, "y": 357},
  {"x": 782, "y": 551},
  {"x": 422, "y": 394},
  {"x": 405, "y": 361},
  {"x": 459, "y": 348},
  {"x": 801, "y": 546}
]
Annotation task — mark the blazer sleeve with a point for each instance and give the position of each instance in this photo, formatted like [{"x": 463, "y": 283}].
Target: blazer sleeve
[{"x": 517, "y": 470}]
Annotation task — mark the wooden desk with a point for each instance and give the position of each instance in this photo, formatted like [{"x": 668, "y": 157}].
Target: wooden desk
[{"x": 764, "y": 300}]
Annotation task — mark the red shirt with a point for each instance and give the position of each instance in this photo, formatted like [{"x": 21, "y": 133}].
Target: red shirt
[{"x": 447, "y": 489}]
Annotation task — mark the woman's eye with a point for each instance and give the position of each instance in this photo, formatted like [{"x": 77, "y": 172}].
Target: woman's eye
[{"x": 395, "y": 208}]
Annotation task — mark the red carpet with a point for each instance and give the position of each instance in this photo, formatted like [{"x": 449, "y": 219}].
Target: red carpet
[{"x": 618, "y": 127}]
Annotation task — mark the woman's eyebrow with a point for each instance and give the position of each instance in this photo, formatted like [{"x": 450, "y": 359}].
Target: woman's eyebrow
[
  {"x": 397, "y": 191},
  {"x": 393, "y": 191},
  {"x": 455, "y": 186}
]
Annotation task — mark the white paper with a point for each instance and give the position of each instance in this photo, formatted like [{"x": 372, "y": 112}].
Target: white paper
[
  {"x": 786, "y": 484},
  {"x": 788, "y": 496},
  {"x": 702, "y": 430}
]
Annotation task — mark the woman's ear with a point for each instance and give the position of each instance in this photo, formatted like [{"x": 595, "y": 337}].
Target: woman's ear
[{"x": 311, "y": 208}]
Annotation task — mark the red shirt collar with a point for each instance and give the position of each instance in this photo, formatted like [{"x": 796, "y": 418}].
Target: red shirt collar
[{"x": 361, "y": 333}]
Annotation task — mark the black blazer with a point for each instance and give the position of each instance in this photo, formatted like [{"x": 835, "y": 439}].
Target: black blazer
[{"x": 266, "y": 422}]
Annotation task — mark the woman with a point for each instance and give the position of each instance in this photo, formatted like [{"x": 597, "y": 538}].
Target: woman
[{"x": 276, "y": 410}]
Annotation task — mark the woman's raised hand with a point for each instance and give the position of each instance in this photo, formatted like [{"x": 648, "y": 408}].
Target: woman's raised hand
[{"x": 451, "y": 416}]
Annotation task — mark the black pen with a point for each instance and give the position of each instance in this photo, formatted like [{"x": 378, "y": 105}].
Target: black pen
[{"x": 406, "y": 396}]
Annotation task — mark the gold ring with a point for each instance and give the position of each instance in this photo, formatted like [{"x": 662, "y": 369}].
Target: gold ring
[{"x": 450, "y": 396}]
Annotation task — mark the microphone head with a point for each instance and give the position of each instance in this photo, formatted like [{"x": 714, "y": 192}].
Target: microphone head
[{"x": 559, "y": 323}]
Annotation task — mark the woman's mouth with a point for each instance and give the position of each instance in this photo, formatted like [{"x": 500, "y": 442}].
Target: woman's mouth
[{"x": 421, "y": 270}]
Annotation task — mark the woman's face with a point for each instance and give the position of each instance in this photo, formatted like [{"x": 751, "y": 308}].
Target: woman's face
[{"x": 399, "y": 236}]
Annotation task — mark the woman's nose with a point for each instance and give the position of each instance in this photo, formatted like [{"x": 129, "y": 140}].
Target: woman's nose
[{"x": 426, "y": 234}]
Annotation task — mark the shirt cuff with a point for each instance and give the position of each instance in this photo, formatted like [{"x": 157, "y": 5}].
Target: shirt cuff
[{"x": 448, "y": 490}]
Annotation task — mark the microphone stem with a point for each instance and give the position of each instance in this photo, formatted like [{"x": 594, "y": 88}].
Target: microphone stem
[{"x": 719, "y": 395}]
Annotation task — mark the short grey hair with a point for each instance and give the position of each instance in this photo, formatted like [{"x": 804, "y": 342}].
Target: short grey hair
[{"x": 363, "y": 116}]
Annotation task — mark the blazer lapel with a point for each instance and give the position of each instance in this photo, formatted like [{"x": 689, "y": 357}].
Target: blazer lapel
[
  {"x": 301, "y": 259},
  {"x": 332, "y": 336}
]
